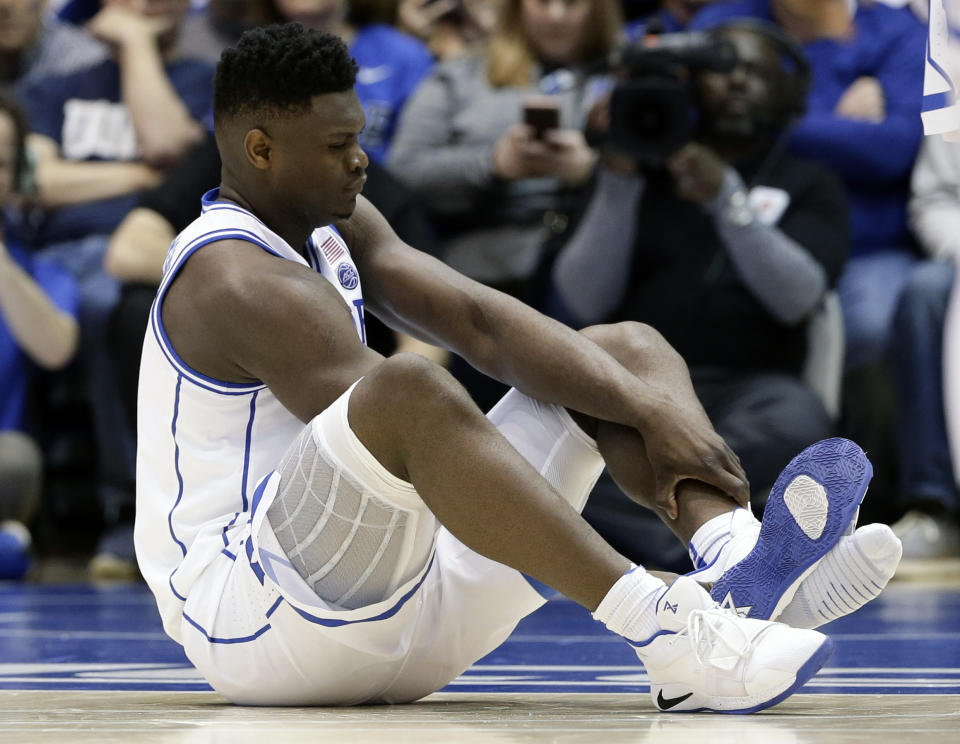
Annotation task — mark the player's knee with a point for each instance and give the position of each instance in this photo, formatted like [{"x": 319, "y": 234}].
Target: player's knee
[
  {"x": 631, "y": 340},
  {"x": 413, "y": 383}
]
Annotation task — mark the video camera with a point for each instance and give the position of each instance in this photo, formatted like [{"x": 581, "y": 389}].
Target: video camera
[{"x": 654, "y": 111}]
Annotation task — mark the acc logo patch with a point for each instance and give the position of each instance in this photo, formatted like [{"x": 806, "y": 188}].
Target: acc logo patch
[{"x": 348, "y": 276}]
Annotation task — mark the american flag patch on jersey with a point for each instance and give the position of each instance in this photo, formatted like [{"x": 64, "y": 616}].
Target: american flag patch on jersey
[{"x": 332, "y": 249}]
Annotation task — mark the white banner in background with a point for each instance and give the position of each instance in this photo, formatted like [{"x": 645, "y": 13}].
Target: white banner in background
[{"x": 941, "y": 109}]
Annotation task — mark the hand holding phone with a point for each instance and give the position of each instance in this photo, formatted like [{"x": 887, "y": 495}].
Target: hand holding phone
[{"x": 541, "y": 113}]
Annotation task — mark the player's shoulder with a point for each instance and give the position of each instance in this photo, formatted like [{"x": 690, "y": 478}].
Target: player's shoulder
[{"x": 237, "y": 282}]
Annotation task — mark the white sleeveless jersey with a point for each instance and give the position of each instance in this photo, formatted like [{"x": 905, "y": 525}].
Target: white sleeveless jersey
[{"x": 204, "y": 444}]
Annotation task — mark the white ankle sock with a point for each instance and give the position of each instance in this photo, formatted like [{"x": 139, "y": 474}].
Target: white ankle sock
[
  {"x": 630, "y": 607},
  {"x": 848, "y": 577},
  {"x": 723, "y": 542}
]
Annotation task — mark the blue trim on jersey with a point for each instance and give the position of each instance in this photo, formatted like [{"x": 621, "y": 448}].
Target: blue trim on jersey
[
  {"x": 313, "y": 257},
  {"x": 246, "y": 449},
  {"x": 176, "y": 466},
  {"x": 943, "y": 73},
  {"x": 257, "y": 570},
  {"x": 227, "y": 527},
  {"x": 210, "y": 201},
  {"x": 229, "y": 555},
  {"x": 332, "y": 623},
  {"x": 175, "y": 592},
  {"x": 275, "y": 606},
  {"x": 211, "y": 639},
  {"x": 258, "y": 494}
]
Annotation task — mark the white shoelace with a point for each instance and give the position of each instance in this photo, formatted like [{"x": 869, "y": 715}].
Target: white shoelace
[{"x": 716, "y": 638}]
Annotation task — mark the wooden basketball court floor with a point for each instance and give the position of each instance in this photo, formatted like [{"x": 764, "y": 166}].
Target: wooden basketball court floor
[{"x": 83, "y": 663}]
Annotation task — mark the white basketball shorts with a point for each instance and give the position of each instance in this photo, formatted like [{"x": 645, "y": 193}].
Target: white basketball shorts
[{"x": 261, "y": 636}]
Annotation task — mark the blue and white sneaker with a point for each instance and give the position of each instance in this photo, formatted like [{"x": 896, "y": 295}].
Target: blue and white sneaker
[
  {"x": 811, "y": 506},
  {"x": 707, "y": 658}
]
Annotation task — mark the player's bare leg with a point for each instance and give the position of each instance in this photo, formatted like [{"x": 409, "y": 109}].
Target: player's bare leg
[{"x": 422, "y": 426}]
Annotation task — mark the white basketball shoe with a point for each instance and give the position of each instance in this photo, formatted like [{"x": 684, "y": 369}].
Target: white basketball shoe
[{"x": 706, "y": 658}]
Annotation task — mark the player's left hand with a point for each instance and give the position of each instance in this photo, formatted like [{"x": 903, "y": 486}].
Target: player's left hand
[
  {"x": 681, "y": 444},
  {"x": 571, "y": 158},
  {"x": 697, "y": 172}
]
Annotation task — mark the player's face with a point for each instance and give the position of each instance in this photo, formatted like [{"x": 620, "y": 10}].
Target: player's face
[
  {"x": 8, "y": 156},
  {"x": 320, "y": 163}
]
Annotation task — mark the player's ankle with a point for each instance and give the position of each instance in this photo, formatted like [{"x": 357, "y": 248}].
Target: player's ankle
[
  {"x": 629, "y": 609},
  {"x": 713, "y": 535}
]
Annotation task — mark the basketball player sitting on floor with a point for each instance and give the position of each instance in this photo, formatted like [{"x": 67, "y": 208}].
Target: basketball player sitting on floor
[{"x": 323, "y": 526}]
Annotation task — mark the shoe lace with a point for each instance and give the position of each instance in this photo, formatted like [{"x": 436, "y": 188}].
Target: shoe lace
[{"x": 717, "y": 638}]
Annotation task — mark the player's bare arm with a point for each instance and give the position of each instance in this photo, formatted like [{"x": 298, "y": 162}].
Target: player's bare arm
[
  {"x": 265, "y": 319},
  {"x": 513, "y": 343}
]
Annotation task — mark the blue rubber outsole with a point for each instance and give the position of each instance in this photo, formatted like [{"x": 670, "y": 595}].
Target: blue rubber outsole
[{"x": 784, "y": 552}]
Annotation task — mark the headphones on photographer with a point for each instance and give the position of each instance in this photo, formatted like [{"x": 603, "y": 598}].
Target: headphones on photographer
[{"x": 796, "y": 74}]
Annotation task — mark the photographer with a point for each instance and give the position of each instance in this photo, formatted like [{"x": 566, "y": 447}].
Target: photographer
[{"x": 726, "y": 245}]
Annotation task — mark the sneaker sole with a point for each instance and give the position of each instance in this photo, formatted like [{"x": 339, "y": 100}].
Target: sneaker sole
[{"x": 810, "y": 506}]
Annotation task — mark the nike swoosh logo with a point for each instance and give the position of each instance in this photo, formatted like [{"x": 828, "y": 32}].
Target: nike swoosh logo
[
  {"x": 371, "y": 75},
  {"x": 667, "y": 703}
]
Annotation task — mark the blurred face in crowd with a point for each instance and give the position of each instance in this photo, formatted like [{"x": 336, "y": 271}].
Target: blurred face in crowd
[
  {"x": 8, "y": 156},
  {"x": 555, "y": 28},
  {"x": 19, "y": 23},
  {"x": 740, "y": 104},
  {"x": 324, "y": 15}
]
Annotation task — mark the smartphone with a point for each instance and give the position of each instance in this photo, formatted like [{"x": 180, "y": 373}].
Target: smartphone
[{"x": 541, "y": 113}]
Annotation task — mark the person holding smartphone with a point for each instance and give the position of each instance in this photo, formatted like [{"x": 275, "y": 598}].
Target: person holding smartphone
[
  {"x": 495, "y": 185},
  {"x": 488, "y": 176}
]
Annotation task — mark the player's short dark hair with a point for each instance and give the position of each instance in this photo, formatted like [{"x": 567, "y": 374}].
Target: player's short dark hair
[{"x": 276, "y": 70}]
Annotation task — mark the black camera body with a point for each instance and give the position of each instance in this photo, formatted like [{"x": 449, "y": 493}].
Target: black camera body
[{"x": 655, "y": 110}]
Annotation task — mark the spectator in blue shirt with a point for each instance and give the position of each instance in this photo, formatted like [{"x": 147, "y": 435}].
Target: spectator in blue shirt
[{"x": 38, "y": 327}]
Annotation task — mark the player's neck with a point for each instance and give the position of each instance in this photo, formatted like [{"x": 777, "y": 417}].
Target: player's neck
[{"x": 293, "y": 232}]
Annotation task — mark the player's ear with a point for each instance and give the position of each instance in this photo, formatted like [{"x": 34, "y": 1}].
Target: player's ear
[{"x": 258, "y": 147}]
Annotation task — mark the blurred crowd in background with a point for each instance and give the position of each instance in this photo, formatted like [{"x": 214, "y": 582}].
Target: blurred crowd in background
[{"x": 749, "y": 177}]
